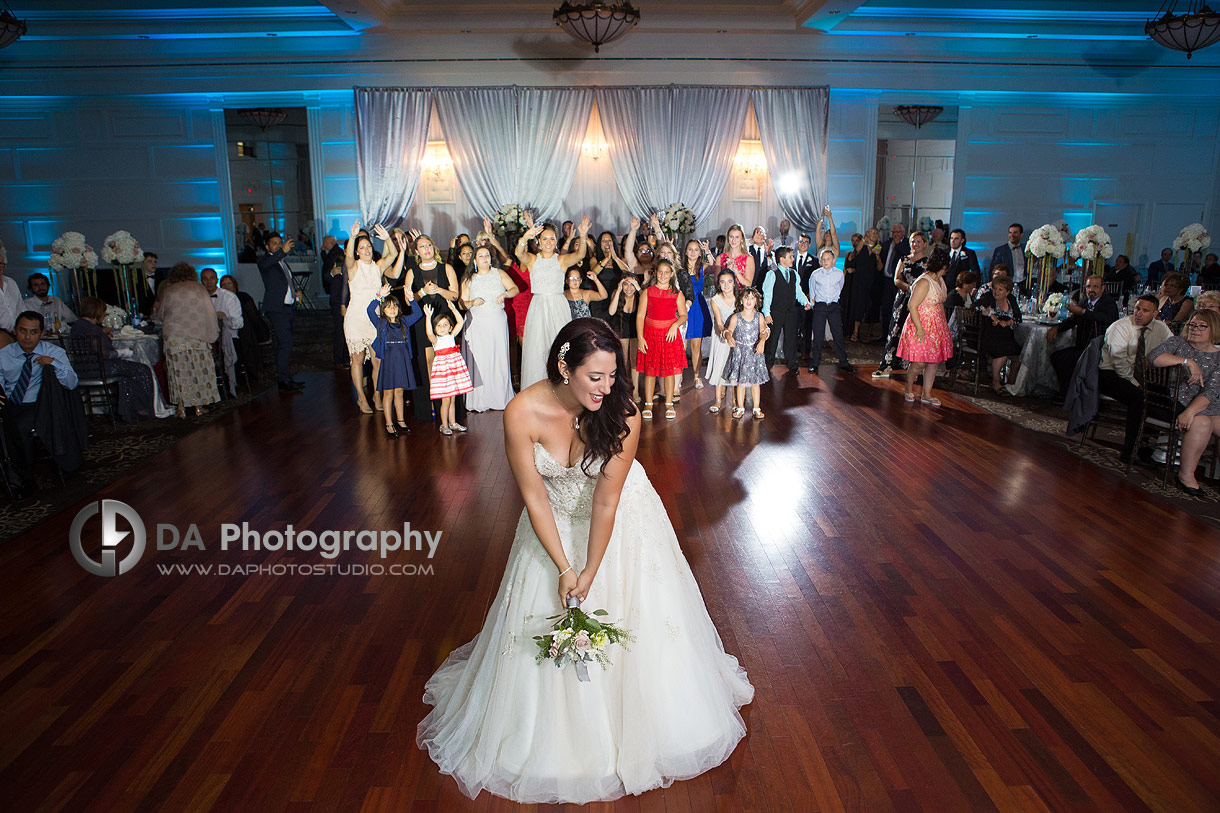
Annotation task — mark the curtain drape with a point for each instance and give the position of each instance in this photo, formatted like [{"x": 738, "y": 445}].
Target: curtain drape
[
  {"x": 672, "y": 144},
  {"x": 792, "y": 125},
  {"x": 515, "y": 145},
  {"x": 391, "y": 136}
]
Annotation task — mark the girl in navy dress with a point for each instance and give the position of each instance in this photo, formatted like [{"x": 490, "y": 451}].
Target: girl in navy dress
[
  {"x": 393, "y": 347},
  {"x": 698, "y": 318}
]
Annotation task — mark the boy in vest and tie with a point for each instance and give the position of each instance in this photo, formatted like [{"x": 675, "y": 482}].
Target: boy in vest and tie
[{"x": 783, "y": 300}]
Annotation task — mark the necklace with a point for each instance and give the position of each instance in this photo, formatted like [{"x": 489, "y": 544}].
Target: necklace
[{"x": 575, "y": 418}]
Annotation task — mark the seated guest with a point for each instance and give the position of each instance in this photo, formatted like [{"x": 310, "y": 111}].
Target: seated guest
[
  {"x": 1199, "y": 396},
  {"x": 1052, "y": 287},
  {"x": 998, "y": 337},
  {"x": 1208, "y": 301},
  {"x": 1159, "y": 269},
  {"x": 135, "y": 379},
  {"x": 1175, "y": 305},
  {"x": 1000, "y": 270},
  {"x": 962, "y": 296},
  {"x": 228, "y": 314},
  {"x": 188, "y": 328},
  {"x": 253, "y": 331},
  {"x": 1209, "y": 274},
  {"x": 1124, "y": 354},
  {"x": 51, "y": 307},
  {"x": 1092, "y": 312},
  {"x": 1124, "y": 273},
  {"x": 10, "y": 301},
  {"x": 32, "y": 409}
]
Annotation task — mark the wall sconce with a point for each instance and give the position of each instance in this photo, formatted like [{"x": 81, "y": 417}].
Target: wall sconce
[
  {"x": 596, "y": 150},
  {"x": 436, "y": 159},
  {"x": 750, "y": 159}
]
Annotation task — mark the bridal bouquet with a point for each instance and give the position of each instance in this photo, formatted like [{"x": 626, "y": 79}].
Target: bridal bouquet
[
  {"x": 70, "y": 252},
  {"x": 121, "y": 248},
  {"x": 1192, "y": 238},
  {"x": 509, "y": 219},
  {"x": 579, "y": 639},
  {"x": 676, "y": 220}
]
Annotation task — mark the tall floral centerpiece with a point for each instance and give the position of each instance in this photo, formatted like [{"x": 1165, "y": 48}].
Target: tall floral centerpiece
[
  {"x": 509, "y": 223},
  {"x": 126, "y": 257},
  {"x": 1092, "y": 246},
  {"x": 677, "y": 221},
  {"x": 1193, "y": 238},
  {"x": 71, "y": 255},
  {"x": 1044, "y": 249}
]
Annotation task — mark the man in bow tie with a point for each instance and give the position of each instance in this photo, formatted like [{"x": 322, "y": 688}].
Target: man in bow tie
[
  {"x": 961, "y": 259},
  {"x": 228, "y": 312},
  {"x": 804, "y": 264},
  {"x": 279, "y": 305}
]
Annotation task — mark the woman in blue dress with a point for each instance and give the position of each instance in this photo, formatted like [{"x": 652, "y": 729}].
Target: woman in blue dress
[
  {"x": 393, "y": 347},
  {"x": 696, "y": 258}
]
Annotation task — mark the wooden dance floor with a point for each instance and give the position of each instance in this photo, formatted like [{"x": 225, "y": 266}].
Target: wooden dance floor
[{"x": 939, "y": 611}]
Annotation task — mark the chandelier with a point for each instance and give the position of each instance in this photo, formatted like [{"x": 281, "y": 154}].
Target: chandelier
[
  {"x": 917, "y": 114},
  {"x": 11, "y": 29},
  {"x": 1198, "y": 28},
  {"x": 750, "y": 159},
  {"x": 436, "y": 160},
  {"x": 596, "y": 23},
  {"x": 263, "y": 117}
]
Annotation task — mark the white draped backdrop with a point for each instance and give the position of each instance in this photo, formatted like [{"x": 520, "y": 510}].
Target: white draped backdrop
[{"x": 667, "y": 144}]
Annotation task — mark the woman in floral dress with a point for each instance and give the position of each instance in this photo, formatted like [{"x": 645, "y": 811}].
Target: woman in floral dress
[{"x": 925, "y": 341}]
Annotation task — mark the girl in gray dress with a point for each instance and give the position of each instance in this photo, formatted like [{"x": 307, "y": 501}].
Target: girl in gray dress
[{"x": 746, "y": 366}]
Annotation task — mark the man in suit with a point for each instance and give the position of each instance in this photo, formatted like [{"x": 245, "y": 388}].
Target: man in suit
[
  {"x": 1011, "y": 254},
  {"x": 760, "y": 250},
  {"x": 892, "y": 252},
  {"x": 279, "y": 306},
  {"x": 804, "y": 264},
  {"x": 334, "y": 282},
  {"x": 1124, "y": 273},
  {"x": 961, "y": 259},
  {"x": 1092, "y": 312},
  {"x": 782, "y": 300},
  {"x": 1210, "y": 273},
  {"x": 22, "y": 366},
  {"x": 1159, "y": 268}
]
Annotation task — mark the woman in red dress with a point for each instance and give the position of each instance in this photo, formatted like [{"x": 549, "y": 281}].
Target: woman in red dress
[
  {"x": 925, "y": 340},
  {"x": 659, "y": 319}
]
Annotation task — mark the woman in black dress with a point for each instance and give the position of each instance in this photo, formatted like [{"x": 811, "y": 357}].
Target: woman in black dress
[
  {"x": 858, "y": 286},
  {"x": 432, "y": 283},
  {"x": 998, "y": 337},
  {"x": 866, "y": 288},
  {"x": 609, "y": 267}
]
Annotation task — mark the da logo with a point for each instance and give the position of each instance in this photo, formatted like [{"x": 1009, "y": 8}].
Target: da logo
[{"x": 109, "y": 565}]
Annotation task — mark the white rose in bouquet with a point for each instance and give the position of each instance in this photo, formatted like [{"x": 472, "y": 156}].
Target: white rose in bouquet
[
  {"x": 1192, "y": 238},
  {"x": 1091, "y": 243},
  {"x": 115, "y": 317},
  {"x": 69, "y": 251},
  {"x": 1046, "y": 241},
  {"x": 121, "y": 248},
  {"x": 1053, "y": 303}
]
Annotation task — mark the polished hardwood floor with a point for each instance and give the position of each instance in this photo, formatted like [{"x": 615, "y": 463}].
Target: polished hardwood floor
[{"x": 939, "y": 610}]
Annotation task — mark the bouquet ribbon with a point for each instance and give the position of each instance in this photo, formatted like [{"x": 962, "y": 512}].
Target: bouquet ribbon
[{"x": 582, "y": 671}]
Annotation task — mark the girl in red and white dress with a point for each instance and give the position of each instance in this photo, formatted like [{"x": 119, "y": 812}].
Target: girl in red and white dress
[
  {"x": 449, "y": 377},
  {"x": 659, "y": 320}
]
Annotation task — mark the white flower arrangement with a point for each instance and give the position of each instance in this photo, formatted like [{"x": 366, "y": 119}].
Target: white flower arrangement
[
  {"x": 1192, "y": 238},
  {"x": 121, "y": 248},
  {"x": 884, "y": 225},
  {"x": 1092, "y": 243},
  {"x": 1052, "y": 304},
  {"x": 926, "y": 224},
  {"x": 1046, "y": 241},
  {"x": 115, "y": 317},
  {"x": 676, "y": 219},
  {"x": 70, "y": 251},
  {"x": 1065, "y": 231},
  {"x": 509, "y": 218}
]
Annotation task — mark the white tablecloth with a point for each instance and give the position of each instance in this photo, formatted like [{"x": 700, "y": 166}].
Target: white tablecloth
[
  {"x": 1037, "y": 376},
  {"x": 145, "y": 349}
]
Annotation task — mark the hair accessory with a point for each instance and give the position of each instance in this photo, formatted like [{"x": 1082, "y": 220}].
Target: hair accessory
[{"x": 563, "y": 351}]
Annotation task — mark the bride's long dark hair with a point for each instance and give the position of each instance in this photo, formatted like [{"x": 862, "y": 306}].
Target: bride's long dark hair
[{"x": 601, "y": 430}]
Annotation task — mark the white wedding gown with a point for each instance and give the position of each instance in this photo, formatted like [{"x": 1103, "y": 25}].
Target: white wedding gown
[
  {"x": 548, "y": 313},
  {"x": 665, "y": 710}
]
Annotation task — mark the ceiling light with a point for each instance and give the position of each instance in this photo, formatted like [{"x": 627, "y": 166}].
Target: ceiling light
[
  {"x": 1197, "y": 28},
  {"x": 263, "y": 117},
  {"x": 917, "y": 114},
  {"x": 596, "y": 23},
  {"x": 11, "y": 29}
]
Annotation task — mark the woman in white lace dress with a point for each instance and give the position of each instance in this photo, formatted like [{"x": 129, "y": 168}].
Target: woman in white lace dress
[
  {"x": 593, "y": 528},
  {"x": 549, "y": 309},
  {"x": 484, "y": 289},
  {"x": 363, "y": 283}
]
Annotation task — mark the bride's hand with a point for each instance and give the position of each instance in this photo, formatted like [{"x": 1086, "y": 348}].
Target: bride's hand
[
  {"x": 567, "y": 585},
  {"x": 583, "y": 583}
]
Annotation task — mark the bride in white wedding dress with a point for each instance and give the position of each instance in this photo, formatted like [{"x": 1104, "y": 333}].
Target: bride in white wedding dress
[
  {"x": 549, "y": 310},
  {"x": 593, "y": 528}
]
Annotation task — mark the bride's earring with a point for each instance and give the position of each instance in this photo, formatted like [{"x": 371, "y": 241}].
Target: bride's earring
[{"x": 565, "y": 380}]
